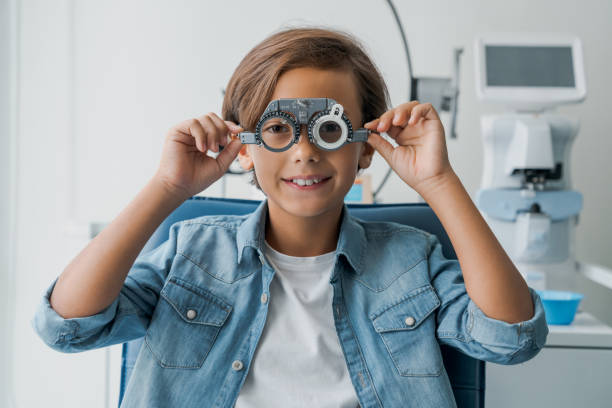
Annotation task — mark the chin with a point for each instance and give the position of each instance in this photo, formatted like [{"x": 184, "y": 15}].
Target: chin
[{"x": 308, "y": 207}]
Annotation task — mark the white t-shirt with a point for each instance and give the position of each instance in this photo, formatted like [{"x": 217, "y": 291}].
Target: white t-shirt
[{"x": 298, "y": 361}]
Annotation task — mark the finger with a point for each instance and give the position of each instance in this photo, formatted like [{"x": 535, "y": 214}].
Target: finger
[
  {"x": 402, "y": 113},
  {"x": 212, "y": 134},
  {"x": 385, "y": 121},
  {"x": 396, "y": 130},
  {"x": 397, "y": 116},
  {"x": 176, "y": 135},
  {"x": 400, "y": 119},
  {"x": 393, "y": 132},
  {"x": 234, "y": 128},
  {"x": 192, "y": 128},
  {"x": 222, "y": 129},
  {"x": 381, "y": 146},
  {"x": 372, "y": 124},
  {"x": 228, "y": 154},
  {"x": 425, "y": 110},
  {"x": 405, "y": 133}
]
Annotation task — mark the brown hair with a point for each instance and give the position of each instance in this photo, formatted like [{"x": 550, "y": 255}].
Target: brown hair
[{"x": 253, "y": 82}]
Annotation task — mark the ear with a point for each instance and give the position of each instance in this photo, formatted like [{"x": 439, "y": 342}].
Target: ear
[
  {"x": 365, "y": 157},
  {"x": 245, "y": 159}
]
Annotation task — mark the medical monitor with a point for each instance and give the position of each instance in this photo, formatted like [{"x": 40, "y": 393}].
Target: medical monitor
[{"x": 529, "y": 72}]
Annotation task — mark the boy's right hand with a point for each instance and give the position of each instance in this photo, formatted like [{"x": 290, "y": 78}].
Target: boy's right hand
[{"x": 185, "y": 168}]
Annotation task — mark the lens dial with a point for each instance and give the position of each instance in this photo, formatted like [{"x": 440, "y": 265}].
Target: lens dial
[{"x": 330, "y": 129}]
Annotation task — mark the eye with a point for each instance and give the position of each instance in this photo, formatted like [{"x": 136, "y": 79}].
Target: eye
[
  {"x": 277, "y": 128},
  {"x": 330, "y": 127}
]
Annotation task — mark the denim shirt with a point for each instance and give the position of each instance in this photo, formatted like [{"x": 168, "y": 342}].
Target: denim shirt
[{"x": 198, "y": 301}]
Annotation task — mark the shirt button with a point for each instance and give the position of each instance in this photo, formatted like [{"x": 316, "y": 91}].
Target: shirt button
[
  {"x": 237, "y": 365},
  {"x": 410, "y": 321},
  {"x": 264, "y": 297},
  {"x": 191, "y": 314}
]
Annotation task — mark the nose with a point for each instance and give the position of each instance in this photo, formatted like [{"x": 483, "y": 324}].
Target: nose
[{"x": 305, "y": 151}]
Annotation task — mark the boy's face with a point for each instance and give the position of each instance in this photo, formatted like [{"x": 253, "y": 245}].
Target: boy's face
[{"x": 338, "y": 168}]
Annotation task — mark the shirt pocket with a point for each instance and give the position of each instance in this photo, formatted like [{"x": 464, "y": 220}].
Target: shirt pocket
[
  {"x": 185, "y": 324},
  {"x": 408, "y": 331}
]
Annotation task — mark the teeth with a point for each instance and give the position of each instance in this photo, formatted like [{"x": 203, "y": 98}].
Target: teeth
[{"x": 302, "y": 182}]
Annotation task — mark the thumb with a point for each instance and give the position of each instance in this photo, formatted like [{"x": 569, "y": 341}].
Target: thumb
[
  {"x": 228, "y": 154},
  {"x": 382, "y": 146}
]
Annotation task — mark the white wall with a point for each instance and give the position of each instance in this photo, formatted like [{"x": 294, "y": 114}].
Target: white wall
[
  {"x": 100, "y": 83},
  {"x": 7, "y": 209}
]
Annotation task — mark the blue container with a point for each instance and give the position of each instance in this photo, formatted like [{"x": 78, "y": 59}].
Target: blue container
[{"x": 560, "y": 306}]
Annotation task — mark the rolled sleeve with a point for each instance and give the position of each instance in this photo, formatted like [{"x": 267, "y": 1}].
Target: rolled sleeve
[
  {"x": 125, "y": 319},
  {"x": 462, "y": 325},
  {"x": 515, "y": 342},
  {"x": 58, "y": 332}
]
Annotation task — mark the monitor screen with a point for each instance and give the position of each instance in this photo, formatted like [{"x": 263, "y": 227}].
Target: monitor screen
[{"x": 525, "y": 66}]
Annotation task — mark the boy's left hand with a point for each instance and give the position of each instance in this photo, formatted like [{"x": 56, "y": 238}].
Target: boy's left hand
[{"x": 420, "y": 159}]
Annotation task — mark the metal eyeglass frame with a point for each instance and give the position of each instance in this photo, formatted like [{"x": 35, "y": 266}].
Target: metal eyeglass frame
[{"x": 308, "y": 111}]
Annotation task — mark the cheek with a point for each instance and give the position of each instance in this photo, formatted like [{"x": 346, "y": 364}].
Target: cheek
[
  {"x": 265, "y": 165},
  {"x": 349, "y": 160}
]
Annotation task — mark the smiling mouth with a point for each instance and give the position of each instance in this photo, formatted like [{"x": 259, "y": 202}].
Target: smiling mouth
[{"x": 307, "y": 183}]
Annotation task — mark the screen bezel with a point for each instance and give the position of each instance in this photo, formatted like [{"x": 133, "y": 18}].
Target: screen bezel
[{"x": 530, "y": 97}]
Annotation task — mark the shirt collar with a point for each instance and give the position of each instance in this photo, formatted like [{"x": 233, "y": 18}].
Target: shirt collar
[
  {"x": 351, "y": 240},
  {"x": 252, "y": 231}
]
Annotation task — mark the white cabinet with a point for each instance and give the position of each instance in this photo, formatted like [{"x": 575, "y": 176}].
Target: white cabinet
[{"x": 572, "y": 370}]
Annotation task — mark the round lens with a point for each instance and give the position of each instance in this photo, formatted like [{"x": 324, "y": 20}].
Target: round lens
[
  {"x": 277, "y": 132},
  {"x": 330, "y": 131}
]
